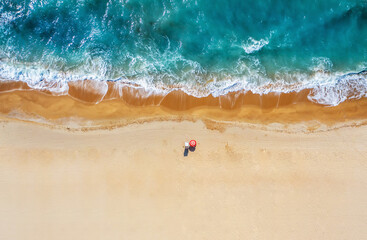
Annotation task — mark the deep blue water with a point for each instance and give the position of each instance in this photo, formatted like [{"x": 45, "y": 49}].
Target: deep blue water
[{"x": 217, "y": 44}]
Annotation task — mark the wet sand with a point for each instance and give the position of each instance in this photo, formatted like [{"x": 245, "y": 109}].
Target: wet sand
[
  {"x": 135, "y": 183},
  {"x": 266, "y": 167},
  {"x": 85, "y": 105}
]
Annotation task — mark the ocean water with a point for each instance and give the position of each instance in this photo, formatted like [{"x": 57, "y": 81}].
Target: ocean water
[{"x": 199, "y": 46}]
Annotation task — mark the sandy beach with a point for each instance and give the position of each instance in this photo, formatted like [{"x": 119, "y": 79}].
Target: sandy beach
[
  {"x": 98, "y": 100},
  {"x": 134, "y": 182}
]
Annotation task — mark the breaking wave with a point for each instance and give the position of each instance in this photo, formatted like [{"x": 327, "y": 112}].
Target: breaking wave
[
  {"x": 197, "y": 47},
  {"x": 327, "y": 88},
  {"x": 252, "y": 45}
]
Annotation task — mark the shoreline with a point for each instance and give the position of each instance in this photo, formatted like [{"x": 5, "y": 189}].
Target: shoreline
[
  {"x": 79, "y": 106},
  {"x": 78, "y": 170}
]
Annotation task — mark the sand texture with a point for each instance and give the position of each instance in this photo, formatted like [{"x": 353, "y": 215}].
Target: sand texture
[{"x": 135, "y": 183}]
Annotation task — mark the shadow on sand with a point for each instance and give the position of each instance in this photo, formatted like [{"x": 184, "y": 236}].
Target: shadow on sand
[{"x": 191, "y": 149}]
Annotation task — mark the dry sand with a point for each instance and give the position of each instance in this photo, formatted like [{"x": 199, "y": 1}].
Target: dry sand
[{"x": 134, "y": 183}]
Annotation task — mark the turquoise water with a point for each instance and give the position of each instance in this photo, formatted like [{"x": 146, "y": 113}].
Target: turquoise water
[{"x": 199, "y": 46}]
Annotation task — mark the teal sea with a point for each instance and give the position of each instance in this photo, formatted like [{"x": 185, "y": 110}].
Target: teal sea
[{"x": 199, "y": 46}]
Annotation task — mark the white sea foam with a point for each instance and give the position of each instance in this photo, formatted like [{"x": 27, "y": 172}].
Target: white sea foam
[
  {"x": 350, "y": 86},
  {"x": 327, "y": 88},
  {"x": 253, "y": 45},
  {"x": 321, "y": 64}
]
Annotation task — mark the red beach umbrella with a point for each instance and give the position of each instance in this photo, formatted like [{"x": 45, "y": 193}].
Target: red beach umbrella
[{"x": 192, "y": 143}]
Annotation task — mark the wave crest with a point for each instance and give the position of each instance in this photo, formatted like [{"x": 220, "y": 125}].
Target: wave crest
[
  {"x": 326, "y": 88},
  {"x": 349, "y": 86},
  {"x": 253, "y": 45}
]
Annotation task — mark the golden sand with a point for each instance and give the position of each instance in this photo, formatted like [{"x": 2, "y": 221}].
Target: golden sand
[
  {"x": 135, "y": 183},
  {"x": 129, "y": 104},
  {"x": 295, "y": 181}
]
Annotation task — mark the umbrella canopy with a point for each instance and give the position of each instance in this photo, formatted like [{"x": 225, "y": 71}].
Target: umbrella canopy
[{"x": 192, "y": 143}]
